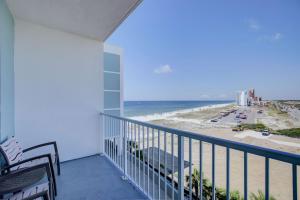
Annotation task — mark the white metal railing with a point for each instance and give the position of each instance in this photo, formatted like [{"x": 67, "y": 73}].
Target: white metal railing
[{"x": 152, "y": 158}]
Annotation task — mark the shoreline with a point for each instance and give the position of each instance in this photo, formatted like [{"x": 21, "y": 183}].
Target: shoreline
[{"x": 165, "y": 115}]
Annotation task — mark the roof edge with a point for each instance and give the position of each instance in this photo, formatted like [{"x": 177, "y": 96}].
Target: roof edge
[{"x": 130, "y": 10}]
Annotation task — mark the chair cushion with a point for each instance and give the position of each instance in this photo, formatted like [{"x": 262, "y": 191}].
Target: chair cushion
[{"x": 29, "y": 192}]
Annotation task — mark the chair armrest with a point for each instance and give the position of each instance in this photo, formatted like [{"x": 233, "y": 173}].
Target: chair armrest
[
  {"x": 47, "y": 144},
  {"x": 42, "y": 145},
  {"x": 43, "y": 194},
  {"x": 28, "y": 169},
  {"x": 7, "y": 168}
]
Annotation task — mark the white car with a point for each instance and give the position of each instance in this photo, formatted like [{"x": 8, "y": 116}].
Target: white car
[{"x": 265, "y": 133}]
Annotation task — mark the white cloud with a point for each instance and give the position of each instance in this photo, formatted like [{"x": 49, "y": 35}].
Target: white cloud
[
  {"x": 164, "y": 69},
  {"x": 272, "y": 38},
  {"x": 277, "y": 36},
  {"x": 253, "y": 25}
]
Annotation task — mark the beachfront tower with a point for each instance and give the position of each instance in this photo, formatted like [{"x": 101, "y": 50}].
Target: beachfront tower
[{"x": 242, "y": 98}]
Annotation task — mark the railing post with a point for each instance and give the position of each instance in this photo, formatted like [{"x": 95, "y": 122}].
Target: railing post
[
  {"x": 245, "y": 175},
  {"x": 180, "y": 167},
  {"x": 267, "y": 173},
  {"x": 295, "y": 190},
  {"x": 102, "y": 135},
  {"x": 124, "y": 149}
]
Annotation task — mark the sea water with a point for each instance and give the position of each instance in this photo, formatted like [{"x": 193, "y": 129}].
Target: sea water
[{"x": 147, "y": 108}]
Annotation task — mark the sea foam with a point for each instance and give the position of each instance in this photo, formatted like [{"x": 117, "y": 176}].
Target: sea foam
[{"x": 165, "y": 115}]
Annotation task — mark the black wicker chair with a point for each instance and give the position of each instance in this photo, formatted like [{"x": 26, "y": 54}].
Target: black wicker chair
[{"x": 12, "y": 153}]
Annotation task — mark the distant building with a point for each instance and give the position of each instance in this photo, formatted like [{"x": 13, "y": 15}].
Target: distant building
[
  {"x": 247, "y": 98},
  {"x": 251, "y": 93},
  {"x": 242, "y": 98}
]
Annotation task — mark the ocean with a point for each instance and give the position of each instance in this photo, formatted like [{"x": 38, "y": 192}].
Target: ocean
[{"x": 143, "y": 108}]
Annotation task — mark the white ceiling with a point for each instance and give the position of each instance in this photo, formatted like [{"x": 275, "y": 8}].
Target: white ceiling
[{"x": 95, "y": 19}]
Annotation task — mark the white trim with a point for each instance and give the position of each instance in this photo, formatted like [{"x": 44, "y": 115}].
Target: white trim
[
  {"x": 112, "y": 49},
  {"x": 102, "y": 134},
  {"x": 121, "y": 85},
  {"x": 108, "y": 109},
  {"x": 112, "y": 72},
  {"x": 111, "y": 90}
]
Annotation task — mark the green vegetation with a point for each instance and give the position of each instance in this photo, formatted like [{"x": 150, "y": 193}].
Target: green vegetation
[
  {"x": 133, "y": 148},
  {"x": 238, "y": 128},
  {"x": 235, "y": 195},
  {"x": 195, "y": 181},
  {"x": 297, "y": 106},
  {"x": 255, "y": 127},
  {"x": 273, "y": 110},
  {"x": 260, "y": 196},
  {"x": 207, "y": 186},
  {"x": 293, "y": 103},
  {"x": 220, "y": 192},
  {"x": 293, "y": 132}
]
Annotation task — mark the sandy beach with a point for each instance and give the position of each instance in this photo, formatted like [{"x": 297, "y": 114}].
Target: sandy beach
[{"x": 198, "y": 120}]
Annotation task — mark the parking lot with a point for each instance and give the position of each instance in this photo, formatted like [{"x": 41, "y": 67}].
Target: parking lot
[{"x": 250, "y": 113}]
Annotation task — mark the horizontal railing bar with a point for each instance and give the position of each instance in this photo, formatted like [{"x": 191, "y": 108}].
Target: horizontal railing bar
[
  {"x": 111, "y": 137},
  {"x": 260, "y": 151}
]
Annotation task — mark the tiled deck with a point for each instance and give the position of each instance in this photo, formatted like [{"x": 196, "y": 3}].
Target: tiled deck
[{"x": 94, "y": 178}]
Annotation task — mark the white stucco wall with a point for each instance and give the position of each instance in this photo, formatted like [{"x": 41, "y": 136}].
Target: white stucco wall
[
  {"x": 6, "y": 72},
  {"x": 58, "y": 89}
]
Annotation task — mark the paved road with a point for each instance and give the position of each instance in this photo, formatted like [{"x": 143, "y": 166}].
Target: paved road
[{"x": 250, "y": 112}]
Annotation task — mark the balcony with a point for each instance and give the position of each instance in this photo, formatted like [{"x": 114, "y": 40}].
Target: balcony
[
  {"x": 57, "y": 74},
  {"x": 159, "y": 161}
]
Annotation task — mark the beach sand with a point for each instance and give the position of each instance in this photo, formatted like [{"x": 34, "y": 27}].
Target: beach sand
[{"x": 198, "y": 121}]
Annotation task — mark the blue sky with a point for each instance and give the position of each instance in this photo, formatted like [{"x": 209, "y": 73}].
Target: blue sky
[{"x": 200, "y": 50}]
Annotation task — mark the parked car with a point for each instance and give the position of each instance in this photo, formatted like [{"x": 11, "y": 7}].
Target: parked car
[
  {"x": 238, "y": 128},
  {"x": 214, "y": 120},
  {"x": 243, "y": 117},
  {"x": 265, "y": 132}
]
